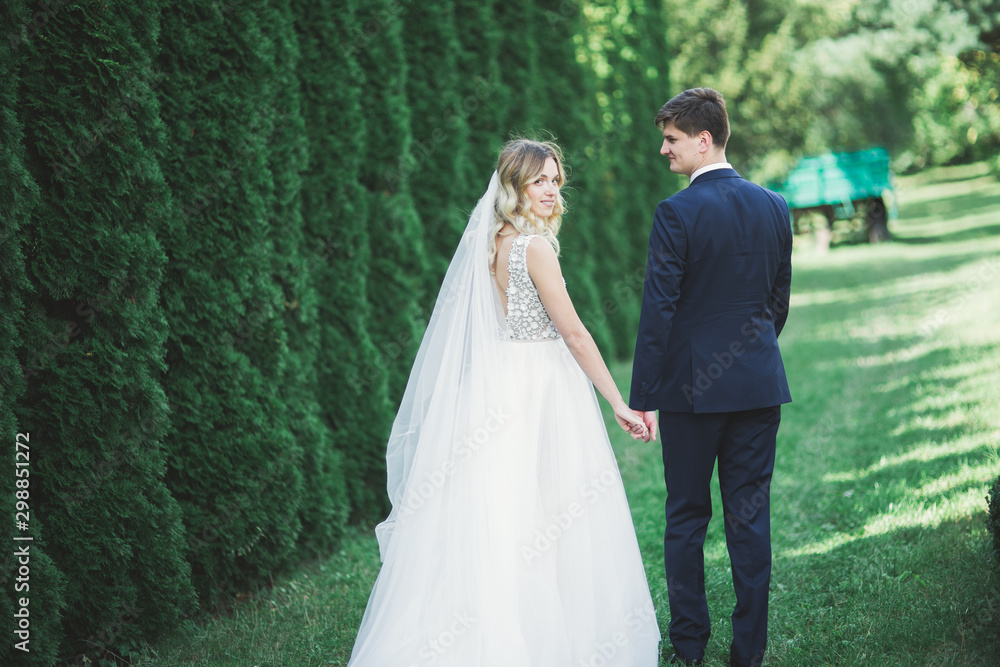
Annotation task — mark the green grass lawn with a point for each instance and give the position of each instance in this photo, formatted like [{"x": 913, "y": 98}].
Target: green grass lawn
[{"x": 881, "y": 555}]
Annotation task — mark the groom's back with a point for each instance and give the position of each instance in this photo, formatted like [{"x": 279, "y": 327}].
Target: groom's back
[
  {"x": 736, "y": 233},
  {"x": 722, "y": 348}
]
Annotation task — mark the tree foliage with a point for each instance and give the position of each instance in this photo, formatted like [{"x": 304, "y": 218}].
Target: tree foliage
[
  {"x": 94, "y": 329},
  {"x": 810, "y": 77},
  {"x": 19, "y": 194},
  {"x": 243, "y": 411},
  {"x": 352, "y": 385}
]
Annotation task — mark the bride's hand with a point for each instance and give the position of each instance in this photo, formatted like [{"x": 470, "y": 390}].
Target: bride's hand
[{"x": 632, "y": 423}]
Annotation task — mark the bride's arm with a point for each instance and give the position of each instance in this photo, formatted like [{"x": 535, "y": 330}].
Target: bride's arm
[{"x": 543, "y": 267}]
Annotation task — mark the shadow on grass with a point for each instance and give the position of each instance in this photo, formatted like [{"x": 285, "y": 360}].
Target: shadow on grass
[
  {"x": 912, "y": 406},
  {"x": 889, "y": 599},
  {"x": 885, "y": 562},
  {"x": 958, "y": 236},
  {"x": 810, "y": 279},
  {"x": 964, "y": 203}
]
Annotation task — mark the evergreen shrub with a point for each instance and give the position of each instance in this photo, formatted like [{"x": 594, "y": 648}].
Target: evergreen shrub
[
  {"x": 43, "y": 584},
  {"x": 351, "y": 386},
  {"x": 993, "y": 517},
  {"x": 234, "y": 463},
  {"x": 94, "y": 330}
]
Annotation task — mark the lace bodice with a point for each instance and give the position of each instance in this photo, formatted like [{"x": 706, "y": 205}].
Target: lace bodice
[{"x": 526, "y": 316}]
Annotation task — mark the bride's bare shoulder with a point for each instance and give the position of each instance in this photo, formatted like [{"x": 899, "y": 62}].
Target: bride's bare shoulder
[
  {"x": 543, "y": 262},
  {"x": 539, "y": 249}
]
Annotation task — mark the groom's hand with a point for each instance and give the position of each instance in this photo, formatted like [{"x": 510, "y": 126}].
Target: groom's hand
[{"x": 649, "y": 418}]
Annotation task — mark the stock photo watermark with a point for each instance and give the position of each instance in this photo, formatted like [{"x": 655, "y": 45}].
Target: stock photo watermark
[
  {"x": 423, "y": 149},
  {"x": 227, "y": 513},
  {"x": 606, "y": 651},
  {"x": 365, "y": 32},
  {"x": 625, "y": 288},
  {"x": 86, "y": 308},
  {"x": 596, "y": 147},
  {"x": 437, "y": 646},
  {"x": 139, "y": 437},
  {"x": 22, "y": 551},
  {"x": 224, "y": 177},
  {"x": 109, "y": 125},
  {"x": 423, "y": 490},
  {"x": 388, "y": 352},
  {"x": 749, "y": 507},
  {"x": 751, "y": 330},
  {"x": 30, "y": 27},
  {"x": 562, "y": 522},
  {"x": 988, "y": 269}
]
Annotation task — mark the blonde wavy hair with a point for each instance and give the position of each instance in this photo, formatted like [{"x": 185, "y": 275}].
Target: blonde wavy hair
[{"x": 521, "y": 162}]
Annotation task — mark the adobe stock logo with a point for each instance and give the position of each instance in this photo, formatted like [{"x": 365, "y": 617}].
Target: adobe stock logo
[
  {"x": 420, "y": 491},
  {"x": 616, "y": 644},
  {"x": 751, "y": 331},
  {"x": 703, "y": 379},
  {"x": 562, "y": 522},
  {"x": 749, "y": 507},
  {"x": 437, "y": 646}
]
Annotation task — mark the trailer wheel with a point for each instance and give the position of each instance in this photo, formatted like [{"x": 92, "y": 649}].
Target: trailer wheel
[
  {"x": 877, "y": 220},
  {"x": 824, "y": 233}
]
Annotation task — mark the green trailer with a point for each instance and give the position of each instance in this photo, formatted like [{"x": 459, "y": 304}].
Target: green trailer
[{"x": 842, "y": 186}]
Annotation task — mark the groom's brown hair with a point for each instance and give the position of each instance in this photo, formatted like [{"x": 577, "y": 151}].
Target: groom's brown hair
[{"x": 697, "y": 110}]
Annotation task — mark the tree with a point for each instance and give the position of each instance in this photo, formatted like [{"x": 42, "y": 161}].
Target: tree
[
  {"x": 482, "y": 105},
  {"x": 351, "y": 387},
  {"x": 814, "y": 77},
  {"x": 19, "y": 194},
  {"x": 235, "y": 465},
  {"x": 398, "y": 250},
  {"x": 437, "y": 159},
  {"x": 519, "y": 22},
  {"x": 957, "y": 116},
  {"x": 94, "y": 328},
  {"x": 296, "y": 260},
  {"x": 624, "y": 45},
  {"x": 565, "y": 97}
]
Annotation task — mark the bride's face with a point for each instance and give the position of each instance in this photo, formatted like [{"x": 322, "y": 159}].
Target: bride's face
[{"x": 544, "y": 189}]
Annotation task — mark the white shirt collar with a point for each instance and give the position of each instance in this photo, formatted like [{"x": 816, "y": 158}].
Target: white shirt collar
[{"x": 709, "y": 167}]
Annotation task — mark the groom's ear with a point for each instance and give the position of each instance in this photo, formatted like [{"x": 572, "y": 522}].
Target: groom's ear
[{"x": 705, "y": 140}]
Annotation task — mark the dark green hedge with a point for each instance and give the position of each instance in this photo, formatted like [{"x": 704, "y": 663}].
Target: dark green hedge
[
  {"x": 222, "y": 232},
  {"x": 993, "y": 518},
  {"x": 42, "y": 586},
  {"x": 352, "y": 387},
  {"x": 234, "y": 463},
  {"x": 94, "y": 327},
  {"x": 95, "y": 266}
]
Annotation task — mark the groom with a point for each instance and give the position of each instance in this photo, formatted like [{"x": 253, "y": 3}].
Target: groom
[{"x": 714, "y": 301}]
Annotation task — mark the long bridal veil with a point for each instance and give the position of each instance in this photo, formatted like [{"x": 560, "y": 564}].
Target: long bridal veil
[{"x": 446, "y": 408}]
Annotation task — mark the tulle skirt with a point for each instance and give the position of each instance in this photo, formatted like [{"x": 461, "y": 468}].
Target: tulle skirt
[{"x": 517, "y": 549}]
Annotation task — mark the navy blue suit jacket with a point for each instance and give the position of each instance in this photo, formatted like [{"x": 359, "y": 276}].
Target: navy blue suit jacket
[{"x": 715, "y": 298}]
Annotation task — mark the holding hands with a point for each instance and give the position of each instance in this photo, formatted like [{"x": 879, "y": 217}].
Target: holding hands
[{"x": 640, "y": 425}]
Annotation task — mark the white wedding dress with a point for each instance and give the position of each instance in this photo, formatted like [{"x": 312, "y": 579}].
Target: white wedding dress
[{"x": 510, "y": 543}]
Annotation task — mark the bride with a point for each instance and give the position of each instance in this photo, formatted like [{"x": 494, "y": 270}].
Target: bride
[{"x": 510, "y": 542}]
